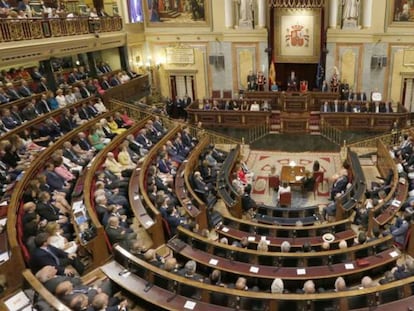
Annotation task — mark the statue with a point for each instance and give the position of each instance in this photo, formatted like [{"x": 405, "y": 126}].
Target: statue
[
  {"x": 350, "y": 9},
  {"x": 245, "y": 13},
  {"x": 246, "y": 10}
]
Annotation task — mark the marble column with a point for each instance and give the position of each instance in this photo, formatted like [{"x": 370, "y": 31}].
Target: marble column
[
  {"x": 366, "y": 13},
  {"x": 333, "y": 13},
  {"x": 261, "y": 16},
  {"x": 228, "y": 14}
]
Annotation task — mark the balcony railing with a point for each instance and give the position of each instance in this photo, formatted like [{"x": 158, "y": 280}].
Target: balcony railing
[{"x": 39, "y": 28}]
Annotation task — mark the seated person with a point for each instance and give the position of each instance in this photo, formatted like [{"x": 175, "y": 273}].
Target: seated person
[
  {"x": 400, "y": 229},
  {"x": 47, "y": 255},
  {"x": 340, "y": 284},
  {"x": 285, "y": 187},
  {"x": 118, "y": 234},
  {"x": 247, "y": 203},
  {"x": 340, "y": 183},
  {"x": 329, "y": 210}
]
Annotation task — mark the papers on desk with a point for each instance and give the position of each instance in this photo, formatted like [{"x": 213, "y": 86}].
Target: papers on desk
[
  {"x": 301, "y": 271},
  {"x": 394, "y": 254},
  {"x": 251, "y": 238},
  {"x": 254, "y": 269},
  {"x": 4, "y": 257},
  {"x": 190, "y": 305},
  {"x": 3, "y": 222},
  {"x": 213, "y": 262},
  {"x": 77, "y": 206},
  {"x": 149, "y": 223},
  {"x": 136, "y": 197},
  {"x": 225, "y": 229},
  {"x": 349, "y": 266},
  {"x": 298, "y": 178},
  {"x": 18, "y": 302},
  {"x": 396, "y": 203},
  {"x": 4, "y": 203}
]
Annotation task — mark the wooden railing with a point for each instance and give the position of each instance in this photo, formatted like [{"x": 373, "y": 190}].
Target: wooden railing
[
  {"x": 39, "y": 28},
  {"x": 332, "y": 133}
]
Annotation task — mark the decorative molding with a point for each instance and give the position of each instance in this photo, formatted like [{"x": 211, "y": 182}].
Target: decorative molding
[{"x": 297, "y": 4}]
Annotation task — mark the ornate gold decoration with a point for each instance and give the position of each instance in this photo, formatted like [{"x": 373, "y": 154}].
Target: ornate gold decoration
[{"x": 297, "y": 4}]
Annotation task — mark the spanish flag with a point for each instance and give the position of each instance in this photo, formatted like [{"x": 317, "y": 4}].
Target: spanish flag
[{"x": 272, "y": 73}]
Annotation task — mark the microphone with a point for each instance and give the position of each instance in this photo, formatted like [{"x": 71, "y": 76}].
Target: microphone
[
  {"x": 174, "y": 289},
  {"x": 231, "y": 257}
]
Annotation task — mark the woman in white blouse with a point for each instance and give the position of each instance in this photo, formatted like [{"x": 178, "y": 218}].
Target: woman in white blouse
[
  {"x": 57, "y": 240},
  {"x": 60, "y": 98}
]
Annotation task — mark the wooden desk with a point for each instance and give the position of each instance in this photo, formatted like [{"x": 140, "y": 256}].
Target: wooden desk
[
  {"x": 292, "y": 175},
  {"x": 380, "y": 263},
  {"x": 273, "y": 301},
  {"x": 152, "y": 293},
  {"x": 295, "y": 242}
]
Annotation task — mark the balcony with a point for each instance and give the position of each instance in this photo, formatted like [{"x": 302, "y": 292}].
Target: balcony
[{"x": 39, "y": 28}]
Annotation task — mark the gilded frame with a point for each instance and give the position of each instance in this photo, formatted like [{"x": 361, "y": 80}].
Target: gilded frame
[
  {"x": 189, "y": 17},
  {"x": 396, "y": 18},
  {"x": 291, "y": 47}
]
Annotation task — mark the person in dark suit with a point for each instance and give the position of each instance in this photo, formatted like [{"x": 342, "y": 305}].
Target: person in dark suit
[
  {"x": 4, "y": 98},
  {"x": 36, "y": 75},
  {"x": 174, "y": 220},
  {"x": 42, "y": 105},
  {"x": 102, "y": 302},
  {"x": 292, "y": 82},
  {"x": 24, "y": 89},
  {"x": 84, "y": 113},
  {"x": 189, "y": 272},
  {"x": 340, "y": 184},
  {"x": 134, "y": 146},
  {"x": 72, "y": 77},
  {"x": 247, "y": 203},
  {"x": 104, "y": 83},
  {"x": 46, "y": 210},
  {"x": 115, "y": 81},
  {"x": 15, "y": 113},
  {"x": 83, "y": 142},
  {"x": 30, "y": 112},
  {"x": 55, "y": 181},
  {"x": 47, "y": 255},
  {"x": 50, "y": 279},
  {"x": 8, "y": 121},
  {"x": 66, "y": 292},
  {"x": 143, "y": 140},
  {"x": 117, "y": 234},
  {"x": 42, "y": 86},
  {"x": 67, "y": 123},
  {"x": 70, "y": 154},
  {"x": 84, "y": 90},
  {"x": 92, "y": 110},
  {"x": 11, "y": 92}
]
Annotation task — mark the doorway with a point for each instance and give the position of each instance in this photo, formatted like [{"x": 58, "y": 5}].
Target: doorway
[{"x": 181, "y": 85}]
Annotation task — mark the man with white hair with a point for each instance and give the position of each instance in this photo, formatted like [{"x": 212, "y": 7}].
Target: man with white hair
[
  {"x": 367, "y": 282},
  {"x": 340, "y": 284},
  {"x": 309, "y": 287},
  {"x": 340, "y": 183},
  {"x": 277, "y": 286},
  {"x": 285, "y": 247}
]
